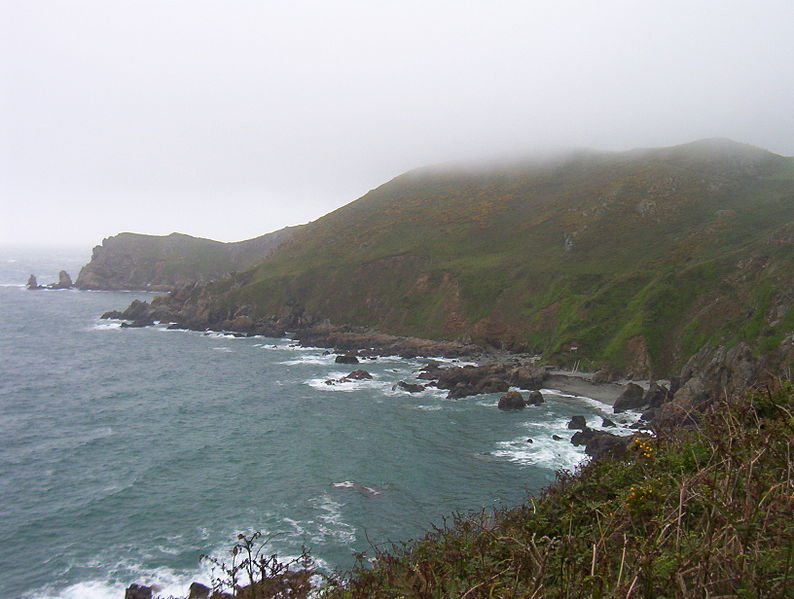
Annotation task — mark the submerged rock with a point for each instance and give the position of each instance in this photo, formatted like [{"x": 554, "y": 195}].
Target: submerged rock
[{"x": 410, "y": 387}]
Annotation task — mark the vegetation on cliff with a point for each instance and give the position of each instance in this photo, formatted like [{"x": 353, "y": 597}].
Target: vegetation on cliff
[
  {"x": 163, "y": 262},
  {"x": 700, "y": 512},
  {"x": 633, "y": 260}
]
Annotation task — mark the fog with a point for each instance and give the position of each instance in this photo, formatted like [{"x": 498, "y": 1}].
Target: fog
[{"x": 228, "y": 119}]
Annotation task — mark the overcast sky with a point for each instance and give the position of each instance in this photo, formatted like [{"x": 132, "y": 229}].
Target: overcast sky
[{"x": 231, "y": 118}]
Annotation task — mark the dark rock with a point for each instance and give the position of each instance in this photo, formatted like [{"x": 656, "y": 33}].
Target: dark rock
[
  {"x": 606, "y": 422},
  {"x": 606, "y": 444},
  {"x": 530, "y": 441},
  {"x": 512, "y": 400},
  {"x": 577, "y": 422},
  {"x": 347, "y": 359},
  {"x": 358, "y": 375},
  {"x": 556, "y": 437},
  {"x": 583, "y": 436},
  {"x": 535, "y": 399},
  {"x": 461, "y": 390},
  {"x": 33, "y": 283},
  {"x": 138, "y": 591},
  {"x": 198, "y": 591},
  {"x": 64, "y": 281},
  {"x": 650, "y": 414},
  {"x": 410, "y": 387},
  {"x": 631, "y": 398},
  {"x": 492, "y": 384},
  {"x": 528, "y": 377},
  {"x": 656, "y": 395},
  {"x": 326, "y": 353}
]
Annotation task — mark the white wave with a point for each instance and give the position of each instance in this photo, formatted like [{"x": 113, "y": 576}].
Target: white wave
[
  {"x": 107, "y": 326},
  {"x": 19, "y": 285},
  {"x": 426, "y": 408},
  {"x": 543, "y": 451},
  {"x": 222, "y": 349},
  {"x": 321, "y": 360}
]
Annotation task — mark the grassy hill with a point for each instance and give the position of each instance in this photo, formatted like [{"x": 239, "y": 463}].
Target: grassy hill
[
  {"x": 631, "y": 259},
  {"x": 135, "y": 261}
]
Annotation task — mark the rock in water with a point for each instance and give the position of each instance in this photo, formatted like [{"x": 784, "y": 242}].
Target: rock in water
[
  {"x": 138, "y": 591},
  {"x": 33, "y": 283},
  {"x": 512, "y": 400},
  {"x": 64, "y": 281},
  {"x": 358, "y": 375},
  {"x": 348, "y": 359},
  {"x": 410, "y": 387},
  {"x": 535, "y": 399},
  {"x": 577, "y": 422}
]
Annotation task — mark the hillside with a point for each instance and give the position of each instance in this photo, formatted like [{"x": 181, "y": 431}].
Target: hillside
[
  {"x": 633, "y": 260},
  {"x": 163, "y": 262}
]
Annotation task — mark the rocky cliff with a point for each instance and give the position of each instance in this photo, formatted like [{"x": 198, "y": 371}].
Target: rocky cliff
[
  {"x": 633, "y": 261},
  {"x": 161, "y": 263}
]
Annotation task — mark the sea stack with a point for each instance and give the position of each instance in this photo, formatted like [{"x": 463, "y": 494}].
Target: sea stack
[
  {"x": 64, "y": 281},
  {"x": 33, "y": 283}
]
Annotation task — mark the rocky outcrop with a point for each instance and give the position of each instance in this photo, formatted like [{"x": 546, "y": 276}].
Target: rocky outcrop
[
  {"x": 409, "y": 387},
  {"x": 358, "y": 375},
  {"x": 130, "y": 261},
  {"x": 138, "y": 591},
  {"x": 198, "y": 591},
  {"x": 33, "y": 283},
  {"x": 346, "y": 359},
  {"x": 512, "y": 400},
  {"x": 711, "y": 373},
  {"x": 577, "y": 422},
  {"x": 631, "y": 398},
  {"x": 464, "y": 381}
]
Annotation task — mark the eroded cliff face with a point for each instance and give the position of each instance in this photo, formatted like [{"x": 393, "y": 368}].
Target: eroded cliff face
[{"x": 130, "y": 261}]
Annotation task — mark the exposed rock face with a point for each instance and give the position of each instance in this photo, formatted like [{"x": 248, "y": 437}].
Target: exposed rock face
[
  {"x": 577, "y": 422},
  {"x": 512, "y": 400},
  {"x": 64, "y": 281},
  {"x": 656, "y": 395},
  {"x": 709, "y": 374},
  {"x": 631, "y": 398},
  {"x": 33, "y": 283}
]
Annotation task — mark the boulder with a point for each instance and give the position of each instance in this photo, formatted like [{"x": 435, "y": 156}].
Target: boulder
[
  {"x": 583, "y": 436},
  {"x": 512, "y": 400},
  {"x": 138, "y": 591},
  {"x": 461, "y": 390},
  {"x": 535, "y": 398},
  {"x": 198, "y": 591},
  {"x": 577, "y": 422},
  {"x": 410, "y": 387},
  {"x": 358, "y": 375},
  {"x": 633, "y": 397},
  {"x": 556, "y": 437},
  {"x": 606, "y": 444},
  {"x": 656, "y": 395},
  {"x": 346, "y": 359},
  {"x": 606, "y": 422},
  {"x": 492, "y": 384}
]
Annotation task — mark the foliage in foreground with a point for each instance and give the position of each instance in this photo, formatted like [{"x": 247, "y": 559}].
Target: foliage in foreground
[{"x": 702, "y": 513}]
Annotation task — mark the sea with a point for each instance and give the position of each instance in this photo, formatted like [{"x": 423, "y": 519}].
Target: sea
[{"x": 127, "y": 454}]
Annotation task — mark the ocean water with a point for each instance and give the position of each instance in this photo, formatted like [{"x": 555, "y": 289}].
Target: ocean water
[{"x": 125, "y": 454}]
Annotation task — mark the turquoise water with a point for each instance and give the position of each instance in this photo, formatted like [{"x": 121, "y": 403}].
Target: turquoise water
[{"x": 127, "y": 453}]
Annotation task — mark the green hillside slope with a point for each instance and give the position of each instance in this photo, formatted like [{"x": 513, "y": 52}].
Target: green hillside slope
[
  {"x": 161, "y": 262},
  {"x": 632, "y": 259}
]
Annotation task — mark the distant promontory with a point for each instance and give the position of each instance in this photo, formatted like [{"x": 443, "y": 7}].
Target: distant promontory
[{"x": 131, "y": 261}]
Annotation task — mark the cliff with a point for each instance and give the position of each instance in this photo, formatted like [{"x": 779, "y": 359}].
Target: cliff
[
  {"x": 630, "y": 260},
  {"x": 161, "y": 263}
]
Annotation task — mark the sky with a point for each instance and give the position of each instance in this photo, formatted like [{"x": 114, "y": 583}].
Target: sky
[{"x": 232, "y": 118}]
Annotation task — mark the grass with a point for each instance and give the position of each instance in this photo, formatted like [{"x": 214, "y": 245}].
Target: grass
[{"x": 703, "y": 512}]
